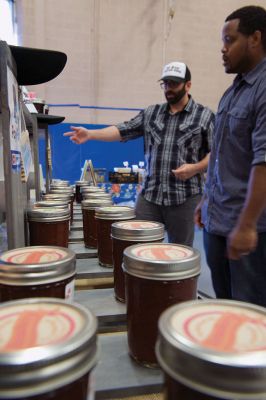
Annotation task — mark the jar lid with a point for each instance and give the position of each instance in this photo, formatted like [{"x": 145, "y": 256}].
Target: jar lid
[
  {"x": 36, "y": 265},
  {"x": 61, "y": 182},
  {"x": 59, "y": 190},
  {"x": 45, "y": 344},
  {"x": 56, "y": 196},
  {"x": 92, "y": 189},
  {"x": 137, "y": 230},
  {"x": 115, "y": 212},
  {"x": 81, "y": 183},
  {"x": 48, "y": 213},
  {"x": 51, "y": 203},
  {"x": 162, "y": 261},
  {"x": 217, "y": 347},
  {"x": 96, "y": 195},
  {"x": 92, "y": 204}
]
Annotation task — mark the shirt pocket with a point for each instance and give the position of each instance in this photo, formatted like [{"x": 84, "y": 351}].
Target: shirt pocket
[
  {"x": 240, "y": 127},
  {"x": 190, "y": 135},
  {"x": 154, "y": 134}
]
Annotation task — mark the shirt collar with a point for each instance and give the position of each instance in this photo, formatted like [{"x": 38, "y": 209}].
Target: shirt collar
[{"x": 253, "y": 75}]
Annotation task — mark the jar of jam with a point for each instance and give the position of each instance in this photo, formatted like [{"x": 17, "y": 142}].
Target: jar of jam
[
  {"x": 89, "y": 223},
  {"x": 38, "y": 271},
  {"x": 92, "y": 189},
  {"x": 48, "y": 348},
  {"x": 96, "y": 195},
  {"x": 157, "y": 275},
  {"x": 60, "y": 182},
  {"x": 125, "y": 234},
  {"x": 213, "y": 350},
  {"x": 48, "y": 226},
  {"x": 78, "y": 186},
  {"x": 69, "y": 198},
  {"x": 61, "y": 197},
  {"x": 105, "y": 217},
  {"x": 51, "y": 203}
]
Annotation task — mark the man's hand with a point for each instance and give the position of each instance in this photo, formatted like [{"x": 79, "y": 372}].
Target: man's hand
[
  {"x": 197, "y": 213},
  {"x": 78, "y": 134},
  {"x": 185, "y": 172},
  {"x": 241, "y": 241}
]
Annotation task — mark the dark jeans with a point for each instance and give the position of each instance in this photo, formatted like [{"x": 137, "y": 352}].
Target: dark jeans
[
  {"x": 243, "y": 279},
  {"x": 178, "y": 220}
]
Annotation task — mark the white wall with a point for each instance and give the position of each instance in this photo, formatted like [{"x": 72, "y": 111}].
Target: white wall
[{"x": 116, "y": 50}]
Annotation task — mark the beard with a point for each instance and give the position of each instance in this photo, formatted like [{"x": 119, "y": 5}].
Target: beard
[{"x": 175, "y": 97}]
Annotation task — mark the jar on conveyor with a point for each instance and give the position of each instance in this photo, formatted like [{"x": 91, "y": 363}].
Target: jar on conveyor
[
  {"x": 48, "y": 226},
  {"x": 37, "y": 271},
  {"x": 125, "y": 234},
  {"x": 78, "y": 186},
  {"x": 96, "y": 195},
  {"x": 48, "y": 349},
  {"x": 60, "y": 182},
  {"x": 92, "y": 189},
  {"x": 105, "y": 217},
  {"x": 157, "y": 275},
  {"x": 89, "y": 223},
  {"x": 64, "y": 192},
  {"x": 213, "y": 350},
  {"x": 60, "y": 197},
  {"x": 51, "y": 203}
]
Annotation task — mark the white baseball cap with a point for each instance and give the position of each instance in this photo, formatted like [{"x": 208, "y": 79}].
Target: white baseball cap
[{"x": 176, "y": 71}]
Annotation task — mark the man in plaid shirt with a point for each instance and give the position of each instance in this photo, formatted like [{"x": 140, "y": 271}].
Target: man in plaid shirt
[{"x": 177, "y": 141}]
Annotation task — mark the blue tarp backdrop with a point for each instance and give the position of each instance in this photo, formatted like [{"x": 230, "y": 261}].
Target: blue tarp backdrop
[{"x": 68, "y": 158}]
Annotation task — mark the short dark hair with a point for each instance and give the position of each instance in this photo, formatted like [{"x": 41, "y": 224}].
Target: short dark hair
[{"x": 251, "y": 19}]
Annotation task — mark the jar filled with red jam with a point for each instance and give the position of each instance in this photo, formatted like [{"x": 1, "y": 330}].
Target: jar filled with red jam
[
  {"x": 157, "y": 275},
  {"x": 48, "y": 349},
  {"x": 79, "y": 185},
  {"x": 105, "y": 217},
  {"x": 125, "y": 234},
  {"x": 67, "y": 198},
  {"x": 96, "y": 195},
  {"x": 213, "y": 350},
  {"x": 37, "y": 271},
  {"x": 48, "y": 226},
  {"x": 89, "y": 224},
  {"x": 51, "y": 203}
]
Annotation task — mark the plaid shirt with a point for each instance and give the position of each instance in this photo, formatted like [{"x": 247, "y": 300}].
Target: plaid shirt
[{"x": 171, "y": 140}]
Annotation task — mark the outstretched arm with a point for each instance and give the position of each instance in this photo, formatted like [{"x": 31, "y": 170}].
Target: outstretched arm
[{"x": 80, "y": 135}]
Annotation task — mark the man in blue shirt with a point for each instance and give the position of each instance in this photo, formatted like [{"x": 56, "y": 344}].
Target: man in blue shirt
[{"x": 233, "y": 208}]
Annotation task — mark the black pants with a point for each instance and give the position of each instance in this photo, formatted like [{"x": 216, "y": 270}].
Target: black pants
[{"x": 178, "y": 220}]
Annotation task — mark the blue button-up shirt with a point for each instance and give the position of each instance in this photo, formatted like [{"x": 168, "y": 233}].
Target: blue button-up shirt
[{"x": 239, "y": 144}]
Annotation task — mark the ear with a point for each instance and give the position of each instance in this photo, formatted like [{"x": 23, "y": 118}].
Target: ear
[
  {"x": 188, "y": 85},
  {"x": 255, "y": 39}
]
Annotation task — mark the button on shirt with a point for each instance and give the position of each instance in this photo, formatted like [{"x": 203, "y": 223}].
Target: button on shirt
[
  {"x": 171, "y": 140},
  {"x": 239, "y": 144}
]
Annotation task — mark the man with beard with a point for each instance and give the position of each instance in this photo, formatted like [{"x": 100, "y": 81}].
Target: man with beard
[
  {"x": 233, "y": 208},
  {"x": 177, "y": 140}
]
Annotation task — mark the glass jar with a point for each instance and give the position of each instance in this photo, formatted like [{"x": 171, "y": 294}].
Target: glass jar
[
  {"x": 68, "y": 198},
  {"x": 48, "y": 349},
  {"x": 213, "y": 350},
  {"x": 105, "y": 217},
  {"x": 37, "y": 271},
  {"x": 48, "y": 226},
  {"x": 157, "y": 275},
  {"x": 125, "y": 234},
  {"x": 89, "y": 223},
  {"x": 96, "y": 195},
  {"x": 79, "y": 185},
  {"x": 52, "y": 203}
]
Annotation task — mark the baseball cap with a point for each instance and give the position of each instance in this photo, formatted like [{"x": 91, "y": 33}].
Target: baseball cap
[{"x": 176, "y": 71}]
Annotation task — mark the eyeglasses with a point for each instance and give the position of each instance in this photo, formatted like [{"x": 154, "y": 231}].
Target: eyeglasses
[{"x": 169, "y": 84}]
